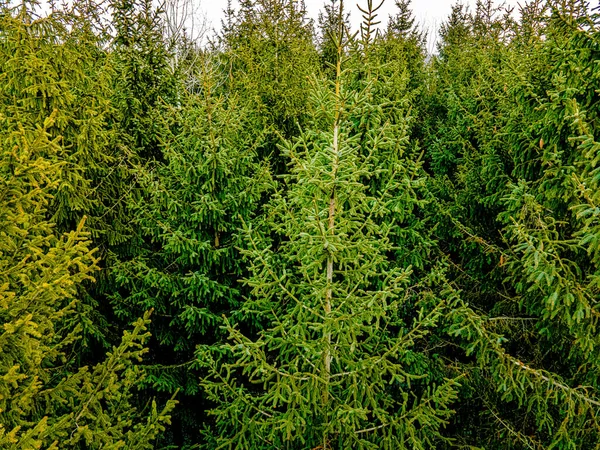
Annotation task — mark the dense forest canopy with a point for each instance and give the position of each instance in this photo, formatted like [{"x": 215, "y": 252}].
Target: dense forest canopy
[{"x": 299, "y": 235}]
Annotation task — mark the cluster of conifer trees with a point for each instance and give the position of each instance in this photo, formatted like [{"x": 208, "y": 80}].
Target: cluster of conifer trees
[{"x": 299, "y": 236}]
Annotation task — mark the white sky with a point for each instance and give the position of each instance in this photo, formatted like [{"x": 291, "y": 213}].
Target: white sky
[{"x": 429, "y": 13}]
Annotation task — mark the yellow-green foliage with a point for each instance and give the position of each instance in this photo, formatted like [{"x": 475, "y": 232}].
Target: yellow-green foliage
[{"x": 45, "y": 399}]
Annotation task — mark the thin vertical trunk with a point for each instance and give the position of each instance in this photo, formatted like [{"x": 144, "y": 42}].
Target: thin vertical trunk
[
  {"x": 331, "y": 221},
  {"x": 331, "y": 228}
]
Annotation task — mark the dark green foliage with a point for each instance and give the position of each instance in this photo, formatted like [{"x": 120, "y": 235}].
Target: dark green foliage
[
  {"x": 207, "y": 185},
  {"x": 514, "y": 142},
  {"x": 269, "y": 55},
  {"x": 143, "y": 82},
  {"x": 197, "y": 199}
]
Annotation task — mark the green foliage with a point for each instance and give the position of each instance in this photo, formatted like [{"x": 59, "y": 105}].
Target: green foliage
[
  {"x": 144, "y": 83},
  {"x": 188, "y": 264},
  {"x": 269, "y": 55},
  {"x": 336, "y": 364},
  {"x": 329, "y": 26},
  {"x": 513, "y": 144},
  {"x": 404, "y": 50},
  {"x": 346, "y": 242},
  {"x": 54, "y": 65},
  {"x": 45, "y": 399}
]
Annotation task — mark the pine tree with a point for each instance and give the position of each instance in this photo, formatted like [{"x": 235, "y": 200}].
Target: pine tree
[
  {"x": 46, "y": 399},
  {"x": 270, "y": 56},
  {"x": 195, "y": 200},
  {"x": 337, "y": 363}
]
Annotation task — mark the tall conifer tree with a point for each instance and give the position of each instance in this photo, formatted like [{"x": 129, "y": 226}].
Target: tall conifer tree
[
  {"x": 270, "y": 56},
  {"x": 207, "y": 185},
  {"x": 508, "y": 155},
  {"x": 47, "y": 400},
  {"x": 337, "y": 362},
  {"x": 56, "y": 64}
]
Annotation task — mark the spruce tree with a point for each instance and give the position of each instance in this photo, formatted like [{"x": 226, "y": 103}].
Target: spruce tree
[
  {"x": 208, "y": 183},
  {"x": 336, "y": 364},
  {"x": 46, "y": 399},
  {"x": 506, "y": 185},
  {"x": 270, "y": 56},
  {"x": 380, "y": 66},
  {"x": 404, "y": 47},
  {"x": 144, "y": 82},
  {"x": 56, "y": 64}
]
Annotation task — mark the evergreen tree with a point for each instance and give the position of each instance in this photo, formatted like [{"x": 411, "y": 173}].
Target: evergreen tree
[
  {"x": 56, "y": 64},
  {"x": 336, "y": 364},
  {"x": 208, "y": 184},
  {"x": 402, "y": 24},
  {"x": 46, "y": 399},
  {"x": 350, "y": 247},
  {"x": 144, "y": 82},
  {"x": 270, "y": 56},
  {"x": 379, "y": 67},
  {"x": 143, "y": 86},
  {"x": 396, "y": 58},
  {"x": 405, "y": 45},
  {"x": 505, "y": 170},
  {"x": 66, "y": 63},
  {"x": 455, "y": 30}
]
